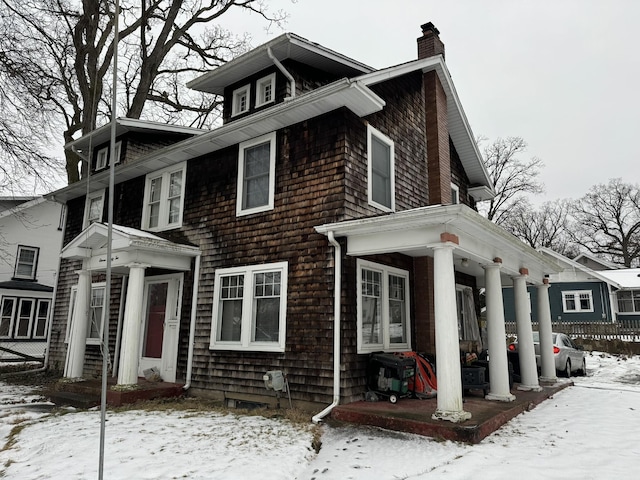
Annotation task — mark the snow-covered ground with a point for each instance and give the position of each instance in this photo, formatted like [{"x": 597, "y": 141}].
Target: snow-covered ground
[{"x": 584, "y": 432}]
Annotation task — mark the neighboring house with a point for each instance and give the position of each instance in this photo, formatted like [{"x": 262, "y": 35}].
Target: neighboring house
[
  {"x": 332, "y": 215},
  {"x": 30, "y": 241},
  {"x": 595, "y": 263}
]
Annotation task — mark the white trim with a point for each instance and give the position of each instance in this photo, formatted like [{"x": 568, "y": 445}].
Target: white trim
[
  {"x": 385, "y": 343},
  {"x": 102, "y": 158},
  {"x": 39, "y": 302},
  {"x": 72, "y": 304},
  {"x": 87, "y": 208},
  {"x": 164, "y": 201},
  {"x": 575, "y": 294},
  {"x": 371, "y": 133},
  {"x": 271, "y": 139},
  {"x": 455, "y": 189},
  {"x": 261, "y": 84},
  {"x": 236, "y": 98},
  {"x": 14, "y": 300},
  {"x": 16, "y": 323},
  {"x": 246, "y": 343}
]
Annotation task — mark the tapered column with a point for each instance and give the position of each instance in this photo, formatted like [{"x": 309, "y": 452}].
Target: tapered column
[
  {"x": 526, "y": 351},
  {"x": 449, "y": 374},
  {"x": 496, "y": 336},
  {"x": 74, "y": 365},
  {"x": 547, "y": 361},
  {"x": 132, "y": 327}
]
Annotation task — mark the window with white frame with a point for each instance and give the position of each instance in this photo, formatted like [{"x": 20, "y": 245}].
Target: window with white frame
[
  {"x": 265, "y": 90},
  {"x": 164, "y": 198},
  {"x": 102, "y": 158},
  {"x": 628, "y": 301},
  {"x": 26, "y": 262},
  {"x": 40, "y": 319},
  {"x": 381, "y": 170},
  {"x": 96, "y": 312},
  {"x": 256, "y": 174},
  {"x": 577, "y": 301},
  {"x": 455, "y": 194},
  {"x": 24, "y": 317},
  {"x": 383, "y": 308},
  {"x": 240, "y": 100},
  {"x": 249, "y": 308},
  {"x": 93, "y": 208},
  {"x": 7, "y": 313}
]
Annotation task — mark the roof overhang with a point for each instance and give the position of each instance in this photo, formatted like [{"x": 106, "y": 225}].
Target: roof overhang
[
  {"x": 124, "y": 125},
  {"x": 565, "y": 263},
  {"x": 459, "y": 128},
  {"x": 283, "y": 47},
  {"x": 416, "y": 232},
  {"x": 128, "y": 246},
  {"x": 343, "y": 93}
]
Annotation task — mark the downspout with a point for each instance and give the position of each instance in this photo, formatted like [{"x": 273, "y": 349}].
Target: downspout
[
  {"x": 192, "y": 326},
  {"x": 337, "y": 261},
  {"x": 284, "y": 71}
]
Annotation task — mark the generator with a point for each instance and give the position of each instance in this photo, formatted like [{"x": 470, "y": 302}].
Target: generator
[{"x": 388, "y": 375}]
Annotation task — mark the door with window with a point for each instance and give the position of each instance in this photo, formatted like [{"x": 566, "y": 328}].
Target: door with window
[{"x": 161, "y": 316}]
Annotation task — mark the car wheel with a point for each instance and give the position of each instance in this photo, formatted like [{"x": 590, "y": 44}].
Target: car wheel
[
  {"x": 583, "y": 370},
  {"x": 567, "y": 369}
]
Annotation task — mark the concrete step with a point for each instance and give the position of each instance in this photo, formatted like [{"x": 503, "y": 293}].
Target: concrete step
[{"x": 75, "y": 399}]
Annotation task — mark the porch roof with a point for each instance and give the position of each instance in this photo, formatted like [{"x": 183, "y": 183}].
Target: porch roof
[
  {"x": 416, "y": 232},
  {"x": 128, "y": 246}
]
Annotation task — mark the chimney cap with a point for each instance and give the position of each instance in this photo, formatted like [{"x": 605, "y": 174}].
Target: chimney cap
[{"x": 429, "y": 26}]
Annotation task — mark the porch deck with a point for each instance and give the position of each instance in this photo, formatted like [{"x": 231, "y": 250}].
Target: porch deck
[
  {"x": 87, "y": 393},
  {"x": 414, "y": 416}
]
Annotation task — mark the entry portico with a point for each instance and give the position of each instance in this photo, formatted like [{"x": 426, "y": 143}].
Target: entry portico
[
  {"x": 152, "y": 303},
  {"x": 458, "y": 239}
]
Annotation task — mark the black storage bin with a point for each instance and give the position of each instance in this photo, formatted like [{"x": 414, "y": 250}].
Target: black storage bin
[{"x": 388, "y": 375}]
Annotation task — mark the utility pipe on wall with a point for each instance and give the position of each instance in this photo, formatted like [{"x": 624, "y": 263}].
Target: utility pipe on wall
[
  {"x": 337, "y": 263},
  {"x": 284, "y": 71},
  {"x": 192, "y": 325}
]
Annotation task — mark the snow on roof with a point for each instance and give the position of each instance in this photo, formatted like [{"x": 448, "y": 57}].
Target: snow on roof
[{"x": 627, "y": 278}]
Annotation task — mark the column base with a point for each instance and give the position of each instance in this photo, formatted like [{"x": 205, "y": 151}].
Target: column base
[
  {"x": 454, "y": 417},
  {"x": 500, "y": 398},
  {"x": 550, "y": 380},
  {"x": 529, "y": 388}
]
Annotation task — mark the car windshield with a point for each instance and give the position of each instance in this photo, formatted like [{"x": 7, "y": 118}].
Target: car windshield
[{"x": 536, "y": 337}]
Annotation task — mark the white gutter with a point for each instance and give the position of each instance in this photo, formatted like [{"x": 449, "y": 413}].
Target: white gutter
[
  {"x": 192, "y": 326},
  {"x": 337, "y": 265},
  {"x": 284, "y": 71}
]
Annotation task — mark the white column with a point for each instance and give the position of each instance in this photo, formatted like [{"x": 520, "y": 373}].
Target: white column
[
  {"x": 496, "y": 336},
  {"x": 449, "y": 374},
  {"x": 526, "y": 351},
  {"x": 74, "y": 365},
  {"x": 547, "y": 361},
  {"x": 132, "y": 327}
]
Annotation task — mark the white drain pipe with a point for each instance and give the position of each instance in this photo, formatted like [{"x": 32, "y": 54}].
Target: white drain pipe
[
  {"x": 192, "y": 325},
  {"x": 337, "y": 265},
  {"x": 285, "y": 72}
]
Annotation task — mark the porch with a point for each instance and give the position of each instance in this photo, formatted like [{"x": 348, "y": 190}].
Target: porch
[{"x": 415, "y": 415}]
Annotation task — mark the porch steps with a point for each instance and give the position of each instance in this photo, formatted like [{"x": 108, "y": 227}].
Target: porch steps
[{"x": 87, "y": 394}]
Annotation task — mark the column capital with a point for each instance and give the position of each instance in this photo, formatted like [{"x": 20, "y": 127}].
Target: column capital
[
  {"x": 496, "y": 265},
  {"x": 137, "y": 265},
  {"x": 447, "y": 237}
]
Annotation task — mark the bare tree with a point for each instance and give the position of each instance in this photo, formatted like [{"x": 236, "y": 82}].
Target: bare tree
[
  {"x": 607, "y": 222},
  {"x": 548, "y": 226},
  {"x": 57, "y": 57},
  {"x": 511, "y": 176}
]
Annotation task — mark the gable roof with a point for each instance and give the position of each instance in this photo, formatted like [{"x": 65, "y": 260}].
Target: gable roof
[
  {"x": 592, "y": 258},
  {"x": 566, "y": 262},
  {"x": 283, "y": 47},
  {"x": 32, "y": 202}
]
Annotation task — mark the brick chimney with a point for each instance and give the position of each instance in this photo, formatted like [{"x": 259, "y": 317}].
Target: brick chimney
[
  {"x": 429, "y": 44},
  {"x": 436, "y": 120}
]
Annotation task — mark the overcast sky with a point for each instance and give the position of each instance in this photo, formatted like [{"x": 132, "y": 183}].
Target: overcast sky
[{"x": 562, "y": 74}]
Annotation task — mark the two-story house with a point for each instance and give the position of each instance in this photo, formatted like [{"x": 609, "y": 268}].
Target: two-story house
[
  {"x": 30, "y": 240},
  {"x": 330, "y": 216}
]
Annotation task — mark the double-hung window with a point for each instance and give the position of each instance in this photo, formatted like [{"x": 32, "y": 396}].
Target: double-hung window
[
  {"x": 256, "y": 175},
  {"x": 164, "y": 198},
  {"x": 24, "y": 318},
  {"x": 26, "y": 262},
  {"x": 265, "y": 90},
  {"x": 240, "y": 100},
  {"x": 577, "y": 301},
  {"x": 7, "y": 313},
  {"x": 93, "y": 208},
  {"x": 96, "y": 312},
  {"x": 628, "y": 301},
  {"x": 249, "y": 308},
  {"x": 383, "y": 308},
  {"x": 381, "y": 170}
]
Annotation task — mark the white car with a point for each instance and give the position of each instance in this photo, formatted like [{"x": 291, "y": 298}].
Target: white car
[{"x": 569, "y": 358}]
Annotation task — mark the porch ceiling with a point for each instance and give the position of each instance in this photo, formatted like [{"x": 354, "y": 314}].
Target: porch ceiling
[
  {"x": 128, "y": 246},
  {"x": 415, "y": 233}
]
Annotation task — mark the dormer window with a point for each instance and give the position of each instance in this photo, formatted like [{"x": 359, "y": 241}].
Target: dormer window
[
  {"x": 240, "y": 102},
  {"x": 102, "y": 159},
  {"x": 265, "y": 88}
]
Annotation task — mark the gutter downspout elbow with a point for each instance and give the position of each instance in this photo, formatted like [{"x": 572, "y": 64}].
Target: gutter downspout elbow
[
  {"x": 192, "y": 325},
  {"x": 285, "y": 72},
  {"x": 337, "y": 263}
]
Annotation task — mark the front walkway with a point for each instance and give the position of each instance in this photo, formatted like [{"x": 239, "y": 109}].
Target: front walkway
[{"x": 414, "y": 416}]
